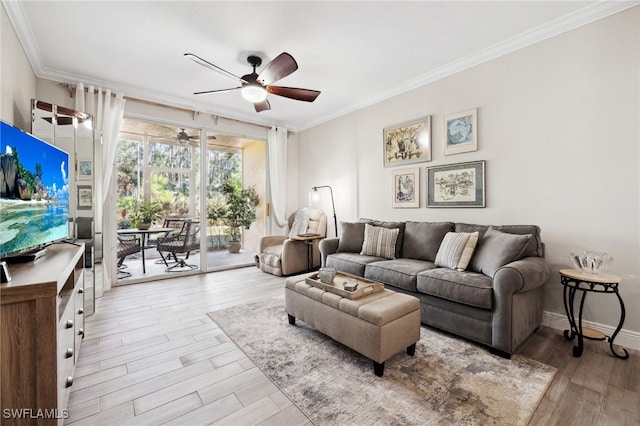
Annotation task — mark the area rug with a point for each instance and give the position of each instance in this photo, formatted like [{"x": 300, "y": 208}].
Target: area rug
[{"x": 449, "y": 381}]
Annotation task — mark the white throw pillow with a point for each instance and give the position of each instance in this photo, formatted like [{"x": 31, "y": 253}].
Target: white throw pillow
[
  {"x": 456, "y": 250},
  {"x": 379, "y": 241}
]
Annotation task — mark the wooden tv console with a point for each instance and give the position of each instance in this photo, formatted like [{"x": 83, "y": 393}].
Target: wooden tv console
[{"x": 41, "y": 328}]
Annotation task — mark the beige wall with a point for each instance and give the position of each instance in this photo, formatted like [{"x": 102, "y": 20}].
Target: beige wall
[
  {"x": 559, "y": 128},
  {"x": 18, "y": 81}
]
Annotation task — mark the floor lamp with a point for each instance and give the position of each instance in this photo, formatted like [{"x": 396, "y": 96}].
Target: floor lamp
[{"x": 316, "y": 196}]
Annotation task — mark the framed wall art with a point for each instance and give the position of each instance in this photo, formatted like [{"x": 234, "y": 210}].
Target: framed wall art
[
  {"x": 85, "y": 197},
  {"x": 461, "y": 132},
  {"x": 456, "y": 185},
  {"x": 85, "y": 169},
  {"x": 406, "y": 188},
  {"x": 408, "y": 142}
]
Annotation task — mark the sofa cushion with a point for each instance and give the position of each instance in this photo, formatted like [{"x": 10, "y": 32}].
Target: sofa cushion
[
  {"x": 351, "y": 263},
  {"x": 352, "y": 237},
  {"x": 470, "y": 288},
  {"x": 496, "y": 249},
  {"x": 379, "y": 241},
  {"x": 399, "y": 273},
  {"x": 422, "y": 239},
  {"x": 456, "y": 250}
]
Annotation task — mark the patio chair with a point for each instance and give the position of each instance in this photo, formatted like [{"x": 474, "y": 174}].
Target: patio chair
[
  {"x": 185, "y": 242},
  {"x": 175, "y": 223},
  {"x": 127, "y": 244}
]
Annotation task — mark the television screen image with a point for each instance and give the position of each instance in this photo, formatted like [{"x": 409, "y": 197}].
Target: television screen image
[{"x": 34, "y": 192}]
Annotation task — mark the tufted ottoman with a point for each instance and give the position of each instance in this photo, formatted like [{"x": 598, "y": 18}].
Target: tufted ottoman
[{"x": 378, "y": 325}]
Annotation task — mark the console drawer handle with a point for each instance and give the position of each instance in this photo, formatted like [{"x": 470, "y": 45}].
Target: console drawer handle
[
  {"x": 81, "y": 290},
  {"x": 68, "y": 382},
  {"x": 68, "y": 353},
  {"x": 81, "y": 332},
  {"x": 69, "y": 324},
  {"x": 80, "y": 311}
]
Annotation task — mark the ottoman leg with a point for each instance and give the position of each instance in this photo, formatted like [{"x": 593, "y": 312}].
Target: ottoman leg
[
  {"x": 378, "y": 368},
  {"x": 411, "y": 350},
  {"x": 292, "y": 319}
]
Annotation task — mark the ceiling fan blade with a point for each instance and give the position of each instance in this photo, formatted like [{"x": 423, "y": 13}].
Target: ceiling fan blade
[
  {"x": 207, "y": 64},
  {"x": 262, "y": 106},
  {"x": 208, "y": 92},
  {"x": 280, "y": 67},
  {"x": 298, "y": 94}
]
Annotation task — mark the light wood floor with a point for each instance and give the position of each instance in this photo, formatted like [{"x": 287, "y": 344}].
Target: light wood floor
[{"x": 152, "y": 356}]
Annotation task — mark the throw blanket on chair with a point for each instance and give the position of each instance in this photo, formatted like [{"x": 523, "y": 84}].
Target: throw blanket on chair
[{"x": 300, "y": 222}]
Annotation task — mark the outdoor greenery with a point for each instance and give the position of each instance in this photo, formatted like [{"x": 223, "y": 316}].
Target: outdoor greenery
[
  {"x": 170, "y": 169},
  {"x": 236, "y": 208}
]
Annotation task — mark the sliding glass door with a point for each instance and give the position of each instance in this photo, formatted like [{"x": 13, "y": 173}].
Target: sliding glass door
[{"x": 160, "y": 165}]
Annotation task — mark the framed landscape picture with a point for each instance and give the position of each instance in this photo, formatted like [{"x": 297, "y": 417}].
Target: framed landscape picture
[
  {"x": 408, "y": 142},
  {"x": 460, "y": 132},
  {"x": 456, "y": 185},
  {"x": 406, "y": 188}
]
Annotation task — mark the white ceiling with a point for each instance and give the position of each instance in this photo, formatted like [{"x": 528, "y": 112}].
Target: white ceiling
[{"x": 355, "y": 52}]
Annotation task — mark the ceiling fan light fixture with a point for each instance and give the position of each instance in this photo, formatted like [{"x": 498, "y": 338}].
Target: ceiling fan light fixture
[{"x": 253, "y": 93}]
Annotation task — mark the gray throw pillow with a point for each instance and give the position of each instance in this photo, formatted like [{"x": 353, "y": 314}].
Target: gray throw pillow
[
  {"x": 351, "y": 237},
  {"x": 496, "y": 249}
]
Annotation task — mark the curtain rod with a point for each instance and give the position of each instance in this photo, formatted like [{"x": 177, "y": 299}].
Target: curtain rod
[{"x": 72, "y": 87}]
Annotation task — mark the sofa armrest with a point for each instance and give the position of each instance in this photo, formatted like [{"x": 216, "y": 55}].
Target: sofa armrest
[
  {"x": 521, "y": 276},
  {"x": 271, "y": 240},
  {"x": 328, "y": 246},
  {"x": 518, "y": 301}
]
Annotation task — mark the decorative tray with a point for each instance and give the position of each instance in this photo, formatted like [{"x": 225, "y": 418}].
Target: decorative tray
[{"x": 364, "y": 287}]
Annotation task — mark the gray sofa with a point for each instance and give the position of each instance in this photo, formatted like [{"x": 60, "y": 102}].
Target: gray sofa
[{"x": 496, "y": 301}]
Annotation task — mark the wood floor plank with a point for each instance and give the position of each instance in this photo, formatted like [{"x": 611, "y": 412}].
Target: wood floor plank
[
  {"x": 184, "y": 387},
  {"x": 145, "y": 387},
  {"x": 252, "y": 414},
  {"x": 211, "y": 412},
  {"x": 167, "y": 412},
  {"x": 78, "y": 396}
]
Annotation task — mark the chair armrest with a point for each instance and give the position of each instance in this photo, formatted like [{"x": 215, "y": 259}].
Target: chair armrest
[
  {"x": 328, "y": 246},
  {"x": 271, "y": 240}
]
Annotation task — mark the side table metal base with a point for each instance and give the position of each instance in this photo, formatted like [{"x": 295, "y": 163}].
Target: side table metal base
[{"x": 574, "y": 280}]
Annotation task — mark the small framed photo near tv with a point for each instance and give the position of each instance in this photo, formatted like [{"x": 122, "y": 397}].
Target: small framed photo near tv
[
  {"x": 34, "y": 200},
  {"x": 85, "y": 197},
  {"x": 85, "y": 169}
]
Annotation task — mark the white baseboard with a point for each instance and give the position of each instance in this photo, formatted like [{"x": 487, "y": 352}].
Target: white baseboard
[{"x": 625, "y": 338}]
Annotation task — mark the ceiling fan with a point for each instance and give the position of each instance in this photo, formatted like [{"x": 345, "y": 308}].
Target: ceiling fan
[
  {"x": 183, "y": 138},
  {"x": 254, "y": 87}
]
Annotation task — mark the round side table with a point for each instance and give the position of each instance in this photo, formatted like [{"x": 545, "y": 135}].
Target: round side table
[{"x": 575, "y": 280}]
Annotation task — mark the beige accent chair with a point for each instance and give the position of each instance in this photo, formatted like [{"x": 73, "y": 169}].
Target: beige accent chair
[{"x": 280, "y": 255}]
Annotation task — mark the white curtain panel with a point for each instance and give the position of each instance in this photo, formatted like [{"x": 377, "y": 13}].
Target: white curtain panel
[
  {"x": 107, "y": 112},
  {"x": 277, "y": 158}
]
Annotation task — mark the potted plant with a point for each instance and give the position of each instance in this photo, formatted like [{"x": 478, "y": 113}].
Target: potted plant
[
  {"x": 146, "y": 214},
  {"x": 236, "y": 209}
]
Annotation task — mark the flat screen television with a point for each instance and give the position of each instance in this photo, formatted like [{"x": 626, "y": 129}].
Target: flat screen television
[{"x": 34, "y": 193}]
